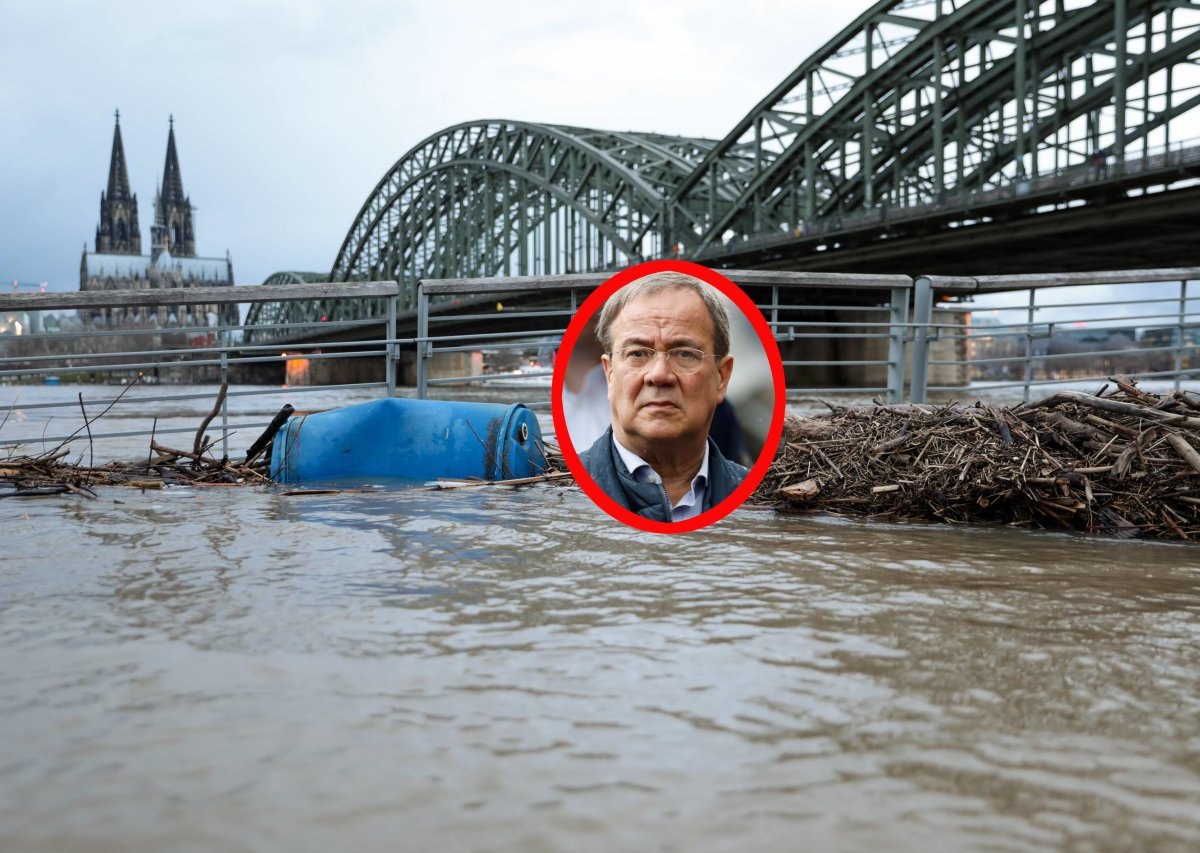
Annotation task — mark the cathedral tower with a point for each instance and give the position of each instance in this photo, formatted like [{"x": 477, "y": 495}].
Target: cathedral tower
[
  {"x": 118, "y": 232},
  {"x": 118, "y": 262},
  {"x": 172, "y": 230}
]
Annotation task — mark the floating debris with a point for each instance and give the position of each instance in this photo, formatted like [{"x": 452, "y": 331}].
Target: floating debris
[
  {"x": 1121, "y": 462},
  {"x": 50, "y": 473}
]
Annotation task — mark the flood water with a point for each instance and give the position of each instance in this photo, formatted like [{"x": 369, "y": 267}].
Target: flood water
[{"x": 486, "y": 669}]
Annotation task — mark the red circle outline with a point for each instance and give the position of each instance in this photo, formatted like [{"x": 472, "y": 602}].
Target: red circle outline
[{"x": 765, "y": 336}]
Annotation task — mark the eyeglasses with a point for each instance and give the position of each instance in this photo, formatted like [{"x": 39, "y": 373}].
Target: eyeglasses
[{"x": 680, "y": 359}]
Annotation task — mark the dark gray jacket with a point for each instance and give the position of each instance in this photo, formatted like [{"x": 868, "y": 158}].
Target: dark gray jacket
[{"x": 649, "y": 500}]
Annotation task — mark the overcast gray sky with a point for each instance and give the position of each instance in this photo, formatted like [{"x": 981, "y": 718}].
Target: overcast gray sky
[{"x": 288, "y": 113}]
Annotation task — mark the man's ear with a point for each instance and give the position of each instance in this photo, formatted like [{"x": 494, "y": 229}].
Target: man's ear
[
  {"x": 724, "y": 371},
  {"x": 607, "y": 362}
]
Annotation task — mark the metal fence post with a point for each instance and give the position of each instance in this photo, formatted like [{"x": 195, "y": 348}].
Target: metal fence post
[
  {"x": 223, "y": 343},
  {"x": 391, "y": 348},
  {"x": 1031, "y": 315},
  {"x": 423, "y": 344},
  {"x": 1179, "y": 334},
  {"x": 922, "y": 319},
  {"x": 897, "y": 332}
]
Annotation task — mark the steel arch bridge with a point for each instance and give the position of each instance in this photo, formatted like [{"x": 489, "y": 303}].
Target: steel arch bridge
[
  {"x": 514, "y": 198},
  {"x": 929, "y": 110},
  {"x": 263, "y": 316}
]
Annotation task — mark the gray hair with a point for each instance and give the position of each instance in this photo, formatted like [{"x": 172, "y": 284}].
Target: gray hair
[{"x": 666, "y": 281}]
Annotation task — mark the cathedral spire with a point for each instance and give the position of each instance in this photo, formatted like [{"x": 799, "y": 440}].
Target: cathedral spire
[
  {"x": 172, "y": 209},
  {"x": 172, "y": 184},
  {"x": 118, "y": 231},
  {"x": 118, "y": 172}
]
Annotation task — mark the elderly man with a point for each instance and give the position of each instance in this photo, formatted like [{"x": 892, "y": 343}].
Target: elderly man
[{"x": 666, "y": 359}]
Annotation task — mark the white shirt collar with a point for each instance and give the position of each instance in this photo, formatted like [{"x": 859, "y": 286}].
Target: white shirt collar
[{"x": 693, "y": 499}]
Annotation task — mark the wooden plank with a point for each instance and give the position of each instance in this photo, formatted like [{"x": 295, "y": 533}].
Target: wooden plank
[
  {"x": 1116, "y": 407},
  {"x": 951, "y": 283},
  {"x": 195, "y": 295},
  {"x": 1020, "y": 282},
  {"x": 1186, "y": 452},
  {"x": 835, "y": 280},
  {"x": 527, "y": 283}
]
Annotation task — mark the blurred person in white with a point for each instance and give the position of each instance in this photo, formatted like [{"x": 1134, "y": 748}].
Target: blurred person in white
[{"x": 585, "y": 390}]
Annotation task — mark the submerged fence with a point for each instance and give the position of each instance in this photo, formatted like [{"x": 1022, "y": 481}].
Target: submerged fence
[
  {"x": 1033, "y": 332},
  {"x": 148, "y": 360},
  {"x": 839, "y": 333},
  {"x": 889, "y": 336},
  {"x": 883, "y": 337}
]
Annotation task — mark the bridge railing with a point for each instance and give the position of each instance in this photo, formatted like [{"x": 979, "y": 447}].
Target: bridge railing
[
  {"x": 1036, "y": 333},
  {"x": 158, "y": 367}
]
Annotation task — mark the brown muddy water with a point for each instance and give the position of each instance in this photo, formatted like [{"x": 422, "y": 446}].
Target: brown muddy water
[{"x": 235, "y": 669}]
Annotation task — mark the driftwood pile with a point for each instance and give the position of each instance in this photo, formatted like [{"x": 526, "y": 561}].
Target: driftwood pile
[
  {"x": 54, "y": 473},
  {"x": 61, "y": 469},
  {"x": 1122, "y": 462}
]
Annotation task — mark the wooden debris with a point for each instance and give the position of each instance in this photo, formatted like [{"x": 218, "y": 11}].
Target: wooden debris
[
  {"x": 201, "y": 438},
  {"x": 548, "y": 477},
  {"x": 38, "y": 475},
  {"x": 263, "y": 442},
  {"x": 1186, "y": 452},
  {"x": 801, "y": 492},
  {"x": 53, "y": 473},
  {"x": 1124, "y": 464}
]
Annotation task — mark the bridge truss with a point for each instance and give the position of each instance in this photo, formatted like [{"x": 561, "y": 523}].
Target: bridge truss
[{"x": 930, "y": 109}]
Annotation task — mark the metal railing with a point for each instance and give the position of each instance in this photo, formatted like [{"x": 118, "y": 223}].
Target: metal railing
[
  {"x": 1039, "y": 331},
  {"x": 52, "y": 348},
  {"x": 869, "y": 336},
  {"x": 549, "y": 303},
  {"x": 899, "y": 329},
  {"x": 866, "y": 313}
]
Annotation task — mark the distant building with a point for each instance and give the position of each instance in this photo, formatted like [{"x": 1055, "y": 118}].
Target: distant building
[{"x": 118, "y": 262}]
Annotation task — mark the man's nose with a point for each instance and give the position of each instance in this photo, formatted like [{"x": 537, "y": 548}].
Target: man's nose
[{"x": 659, "y": 371}]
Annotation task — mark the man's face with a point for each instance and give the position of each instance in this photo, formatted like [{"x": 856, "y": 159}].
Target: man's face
[{"x": 657, "y": 408}]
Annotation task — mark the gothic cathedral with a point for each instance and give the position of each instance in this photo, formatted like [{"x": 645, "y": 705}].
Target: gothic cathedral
[{"x": 118, "y": 262}]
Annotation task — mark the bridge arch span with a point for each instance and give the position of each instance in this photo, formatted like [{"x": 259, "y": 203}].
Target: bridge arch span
[
  {"x": 898, "y": 133},
  {"x": 915, "y": 101},
  {"x": 515, "y": 198}
]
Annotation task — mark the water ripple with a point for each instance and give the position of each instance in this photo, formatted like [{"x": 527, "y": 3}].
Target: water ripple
[{"x": 512, "y": 669}]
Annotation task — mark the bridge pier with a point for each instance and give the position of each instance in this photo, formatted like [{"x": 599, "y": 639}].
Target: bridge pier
[
  {"x": 258, "y": 373},
  {"x": 301, "y": 371},
  {"x": 443, "y": 365},
  {"x": 334, "y": 371}
]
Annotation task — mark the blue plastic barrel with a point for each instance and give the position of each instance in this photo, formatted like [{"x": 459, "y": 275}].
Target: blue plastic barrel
[{"x": 410, "y": 439}]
